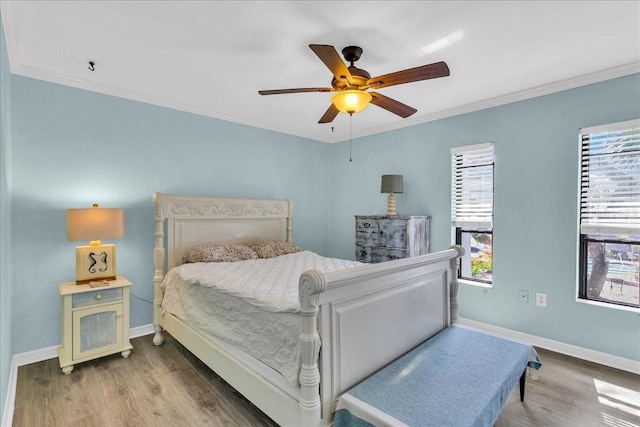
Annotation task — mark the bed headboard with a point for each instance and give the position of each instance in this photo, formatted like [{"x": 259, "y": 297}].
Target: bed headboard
[{"x": 193, "y": 221}]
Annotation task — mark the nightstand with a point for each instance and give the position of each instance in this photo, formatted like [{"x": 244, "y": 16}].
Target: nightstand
[{"x": 95, "y": 322}]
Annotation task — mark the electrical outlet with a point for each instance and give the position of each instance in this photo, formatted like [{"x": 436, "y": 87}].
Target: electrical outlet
[
  {"x": 541, "y": 299},
  {"x": 524, "y": 296}
]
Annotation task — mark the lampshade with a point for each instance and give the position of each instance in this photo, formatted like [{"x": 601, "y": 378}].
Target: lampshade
[
  {"x": 94, "y": 224},
  {"x": 351, "y": 101},
  {"x": 391, "y": 184}
]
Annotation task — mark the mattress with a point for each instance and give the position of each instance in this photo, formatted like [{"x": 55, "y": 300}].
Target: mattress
[{"x": 251, "y": 305}]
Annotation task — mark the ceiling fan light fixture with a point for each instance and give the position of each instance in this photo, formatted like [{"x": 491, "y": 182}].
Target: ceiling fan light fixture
[{"x": 351, "y": 101}]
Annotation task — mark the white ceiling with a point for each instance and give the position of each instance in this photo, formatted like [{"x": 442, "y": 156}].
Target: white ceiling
[{"x": 211, "y": 58}]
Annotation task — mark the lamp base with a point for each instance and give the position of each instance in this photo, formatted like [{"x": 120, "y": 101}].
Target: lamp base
[
  {"x": 95, "y": 263},
  {"x": 391, "y": 205}
]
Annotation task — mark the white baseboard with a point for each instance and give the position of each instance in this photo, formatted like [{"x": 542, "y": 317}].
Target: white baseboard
[
  {"x": 9, "y": 401},
  {"x": 583, "y": 353},
  {"x": 140, "y": 331},
  {"x": 39, "y": 355}
]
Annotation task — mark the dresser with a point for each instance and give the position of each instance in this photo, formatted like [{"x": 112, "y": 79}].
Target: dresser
[
  {"x": 95, "y": 322},
  {"x": 383, "y": 238}
]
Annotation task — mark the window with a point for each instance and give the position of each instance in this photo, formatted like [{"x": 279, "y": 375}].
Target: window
[
  {"x": 472, "y": 209},
  {"x": 610, "y": 214}
]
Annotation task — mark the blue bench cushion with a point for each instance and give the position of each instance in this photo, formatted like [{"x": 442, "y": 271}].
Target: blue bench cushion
[{"x": 460, "y": 377}]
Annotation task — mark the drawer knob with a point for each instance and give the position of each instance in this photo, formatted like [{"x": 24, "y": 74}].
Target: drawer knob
[
  {"x": 366, "y": 225},
  {"x": 98, "y": 296}
]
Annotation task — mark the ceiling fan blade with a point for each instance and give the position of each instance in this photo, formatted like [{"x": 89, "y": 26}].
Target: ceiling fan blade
[
  {"x": 299, "y": 90},
  {"x": 390, "y": 104},
  {"x": 329, "y": 115},
  {"x": 425, "y": 72},
  {"x": 331, "y": 59}
]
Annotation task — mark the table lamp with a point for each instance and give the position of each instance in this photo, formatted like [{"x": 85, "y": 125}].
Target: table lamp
[
  {"x": 391, "y": 184},
  {"x": 95, "y": 263}
]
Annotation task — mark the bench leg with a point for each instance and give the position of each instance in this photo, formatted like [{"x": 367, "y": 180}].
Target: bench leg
[{"x": 523, "y": 379}]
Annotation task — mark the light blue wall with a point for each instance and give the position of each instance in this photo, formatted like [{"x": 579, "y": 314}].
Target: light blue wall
[
  {"x": 535, "y": 222},
  {"x": 5, "y": 220},
  {"x": 73, "y": 148}
]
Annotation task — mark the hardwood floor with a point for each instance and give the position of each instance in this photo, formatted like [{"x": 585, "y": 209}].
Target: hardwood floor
[
  {"x": 155, "y": 386},
  {"x": 575, "y": 393},
  {"x": 167, "y": 386}
]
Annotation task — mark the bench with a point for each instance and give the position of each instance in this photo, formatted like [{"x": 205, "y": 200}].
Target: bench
[{"x": 459, "y": 377}]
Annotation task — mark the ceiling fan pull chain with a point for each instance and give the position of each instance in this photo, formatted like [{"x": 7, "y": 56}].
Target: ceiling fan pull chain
[{"x": 350, "y": 119}]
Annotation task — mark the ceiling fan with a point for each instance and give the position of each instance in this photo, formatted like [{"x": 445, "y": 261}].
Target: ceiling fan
[{"x": 351, "y": 83}]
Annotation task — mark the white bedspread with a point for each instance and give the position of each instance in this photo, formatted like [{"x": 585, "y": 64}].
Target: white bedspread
[{"x": 252, "y": 304}]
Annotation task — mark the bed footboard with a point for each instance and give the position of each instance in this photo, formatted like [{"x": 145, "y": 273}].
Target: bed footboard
[{"x": 367, "y": 317}]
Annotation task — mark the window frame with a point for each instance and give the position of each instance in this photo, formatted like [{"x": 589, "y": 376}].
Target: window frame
[
  {"x": 459, "y": 231},
  {"x": 600, "y": 228},
  {"x": 468, "y": 221}
]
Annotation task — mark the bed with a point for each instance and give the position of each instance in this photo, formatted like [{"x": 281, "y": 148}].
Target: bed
[{"x": 351, "y": 322}]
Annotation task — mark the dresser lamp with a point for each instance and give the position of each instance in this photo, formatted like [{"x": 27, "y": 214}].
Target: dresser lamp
[
  {"x": 391, "y": 184},
  {"x": 95, "y": 263}
]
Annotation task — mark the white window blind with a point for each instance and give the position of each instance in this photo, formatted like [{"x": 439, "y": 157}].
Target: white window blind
[
  {"x": 610, "y": 179},
  {"x": 472, "y": 186}
]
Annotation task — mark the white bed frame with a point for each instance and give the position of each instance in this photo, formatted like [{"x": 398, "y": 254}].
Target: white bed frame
[{"x": 353, "y": 323}]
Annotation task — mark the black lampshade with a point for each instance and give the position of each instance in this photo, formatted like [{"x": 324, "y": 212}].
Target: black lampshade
[{"x": 391, "y": 184}]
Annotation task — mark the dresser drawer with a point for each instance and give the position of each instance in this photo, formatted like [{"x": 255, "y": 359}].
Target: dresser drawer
[
  {"x": 393, "y": 233},
  {"x": 96, "y": 297},
  {"x": 366, "y": 238},
  {"x": 364, "y": 253},
  {"x": 382, "y": 255},
  {"x": 366, "y": 225},
  {"x": 367, "y": 231}
]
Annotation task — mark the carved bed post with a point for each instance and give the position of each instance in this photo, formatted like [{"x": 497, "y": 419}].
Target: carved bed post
[
  {"x": 455, "y": 265},
  {"x": 290, "y": 221},
  {"x": 311, "y": 284},
  {"x": 158, "y": 275}
]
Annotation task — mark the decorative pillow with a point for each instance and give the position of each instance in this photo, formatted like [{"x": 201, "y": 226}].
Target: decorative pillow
[
  {"x": 274, "y": 248},
  {"x": 219, "y": 253}
]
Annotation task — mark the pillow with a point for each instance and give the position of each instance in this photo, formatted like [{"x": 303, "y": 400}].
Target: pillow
[
  {"x": 273, "y": 248},
  {"x": 219, "y": 253}
]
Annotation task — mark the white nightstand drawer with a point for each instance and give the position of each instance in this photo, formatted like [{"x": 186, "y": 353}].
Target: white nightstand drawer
[{"x": 96, "y": 297}]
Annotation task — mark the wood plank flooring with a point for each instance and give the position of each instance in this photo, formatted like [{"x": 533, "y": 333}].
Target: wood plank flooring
[{"x": 167, "y": 386}]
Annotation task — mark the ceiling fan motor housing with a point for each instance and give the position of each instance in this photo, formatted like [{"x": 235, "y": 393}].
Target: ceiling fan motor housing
[
  {"x": 352, "y": 53},
  {"x": 359, "y": 76}
]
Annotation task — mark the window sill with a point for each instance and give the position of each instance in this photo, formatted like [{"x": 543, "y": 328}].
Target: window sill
[
  {"x": 607, "y": 305},
  {"x": 474, "y": 283}
]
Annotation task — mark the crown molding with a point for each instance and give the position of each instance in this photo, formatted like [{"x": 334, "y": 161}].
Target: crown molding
[
  {"x": 18, "y": 68},
  {"x": 510, "y": 98}
]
